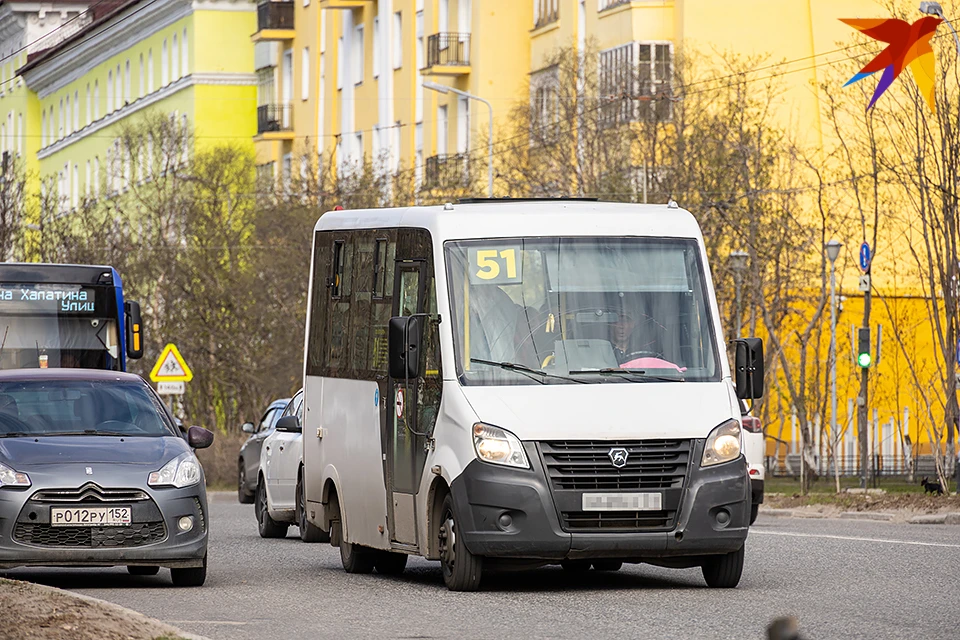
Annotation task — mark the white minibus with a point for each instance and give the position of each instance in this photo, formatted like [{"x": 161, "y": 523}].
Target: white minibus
[{"x": 515, "y": 383}]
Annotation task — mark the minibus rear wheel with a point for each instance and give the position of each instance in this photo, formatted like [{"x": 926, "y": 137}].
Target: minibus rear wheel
[
  {"x": 354, "y": 557},
  {"x": 461, "y": 569},
  {"x": 723, "y": 571}
]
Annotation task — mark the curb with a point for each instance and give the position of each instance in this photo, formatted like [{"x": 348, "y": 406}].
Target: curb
[
  {"x": 867, "y": 515},
  {"x": 936, "y": 518},
  {"x": 106, "y": 604}
]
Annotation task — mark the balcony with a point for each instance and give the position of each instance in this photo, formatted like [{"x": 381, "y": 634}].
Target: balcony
[
  {"x": 448, "y": 54},
  {"x": 274, "y": 21},
  {"x": 345, "y": 4},
  {"x": 275, "y": 122},
  {"x": 447, "y": 171}
]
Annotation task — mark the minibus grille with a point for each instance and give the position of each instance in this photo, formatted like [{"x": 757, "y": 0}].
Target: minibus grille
[
  {"x": 586, "y": 465},
  {"x": 613, "y": 521}
]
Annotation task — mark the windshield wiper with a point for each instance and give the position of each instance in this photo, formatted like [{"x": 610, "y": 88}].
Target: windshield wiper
[
  {"x": 17, "y": 434},
  {"x": 519, "y": 368},
  {"x": 636, "y": 374}
]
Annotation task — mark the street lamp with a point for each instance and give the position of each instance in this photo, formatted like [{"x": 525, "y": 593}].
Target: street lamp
[
  {"x": 738, "y": 262},
  {"x": 934, "y": 9},
  {"x": 833, "y": 252},
  {"x": 442, "y": 88}
]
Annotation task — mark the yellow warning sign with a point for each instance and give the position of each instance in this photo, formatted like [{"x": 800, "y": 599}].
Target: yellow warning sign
[{"x": 171, "y": 366}]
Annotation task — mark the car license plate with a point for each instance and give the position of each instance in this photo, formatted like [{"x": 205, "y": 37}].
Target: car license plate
[
  {"x": 90, "y": 516},
  {"x": 622, "y": 501}
]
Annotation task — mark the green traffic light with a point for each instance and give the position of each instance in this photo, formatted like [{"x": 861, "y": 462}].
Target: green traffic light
[{"x": 863, "y": 360}]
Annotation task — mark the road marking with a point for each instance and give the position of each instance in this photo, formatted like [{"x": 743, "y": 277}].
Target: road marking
[
  {"x": 230, "y": 622},
  {"x": 856, "y": 539}
]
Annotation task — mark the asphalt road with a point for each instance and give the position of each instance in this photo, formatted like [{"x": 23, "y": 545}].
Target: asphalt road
[{"x": 842, "y": 579}]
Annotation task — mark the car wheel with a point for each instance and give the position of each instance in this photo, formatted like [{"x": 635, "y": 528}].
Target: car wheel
[
  {"x": 308, "y": 532},
  {"x": 754, "y": 512},
  {"x": 607, "y": 565},
  {"x": 462, "y": 570},
  {"x": 575, "y": 566},
  {"x": 192, "y": 577},
  {"x": 266, "y": 525},
  {"x": 243, "y": 496},
  {"x": 390, "y": 564},
  {"x": 143, "y": 571},
  {"x": 353, "y": 557},
  {"x": 724, "y": 571}
]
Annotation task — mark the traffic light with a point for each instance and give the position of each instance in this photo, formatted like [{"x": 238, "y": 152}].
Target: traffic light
[{"x": 863, "y": 347}]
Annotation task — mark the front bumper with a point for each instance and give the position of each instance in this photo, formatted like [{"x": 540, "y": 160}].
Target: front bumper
[
  {"x": 166, "y": 547},
  {"x": 484, "y": 493}
]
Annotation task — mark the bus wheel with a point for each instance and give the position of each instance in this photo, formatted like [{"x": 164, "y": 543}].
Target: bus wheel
[
  {"x": 723, "y": 572},
  {"x": 353, "y": 557},
  {"x": 390, "y": 564},
  {"x": 461, "y": 569},
  {"x": 308, "y": 532}
]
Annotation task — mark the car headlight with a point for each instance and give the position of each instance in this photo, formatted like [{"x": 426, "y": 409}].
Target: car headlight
[
  {"x": 11, "y": 478},
  {"x": 498, "y": 446},
  {"x": 182, "y": 471},
  {"x": 723, "y": 444}
]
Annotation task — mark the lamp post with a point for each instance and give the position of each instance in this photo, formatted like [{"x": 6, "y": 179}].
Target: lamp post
[
  {"x": 833, "y": 251},
  {"x": 442, "y": 88},
  {"x": 738, "y": 262},
  {"x": 934, "y": 9}
]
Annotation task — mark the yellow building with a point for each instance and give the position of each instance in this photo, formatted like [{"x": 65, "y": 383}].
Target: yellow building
[{"x": 192, "y": 61}]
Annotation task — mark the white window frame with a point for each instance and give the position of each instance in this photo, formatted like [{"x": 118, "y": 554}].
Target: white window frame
[
  {"x": 175, "y": 58},
  {"x": 356, "y": 55},
  {"x": 340, "y": 63},
  {"x": 126, "y": 82},
  {"x": 305, "y": 74},
  {"x": 142, "y": 78},
  {"x": 164, "y": 64},
  {"x": 96, "y": 99},
  {"x": 150, "y": 76},
  {"x": 376, "y": 47},
  {"x": 76, "y": 110},
  {"x": 397, "y": 53},
  {"x": 89, "y": 113},
  {"x": 184, "y": 54}
]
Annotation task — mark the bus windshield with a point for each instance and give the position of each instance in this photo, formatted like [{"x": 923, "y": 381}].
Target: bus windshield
[
  {"x": 580, "y": 310},
  {"x": 58, "y": 325}
]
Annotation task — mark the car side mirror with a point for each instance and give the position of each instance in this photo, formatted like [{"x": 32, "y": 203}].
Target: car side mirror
[
  {"x": 404, "y": 347},
  {"x": 289, "y": 424},
  {"x": 748, "y": 368},
  {"x": 199, "y": 438},
  {"x": 247, "y": 427}
]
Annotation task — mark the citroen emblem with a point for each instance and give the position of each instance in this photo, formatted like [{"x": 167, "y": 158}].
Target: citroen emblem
[
  {"x": 89, "y": 470},
  {"x": 618, "y": 456}
]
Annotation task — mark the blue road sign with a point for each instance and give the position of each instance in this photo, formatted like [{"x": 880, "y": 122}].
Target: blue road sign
[{"x": 865, "y": 257}]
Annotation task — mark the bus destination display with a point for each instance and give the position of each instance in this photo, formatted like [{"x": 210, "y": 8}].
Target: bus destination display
[{"x": 26, "y": 299}]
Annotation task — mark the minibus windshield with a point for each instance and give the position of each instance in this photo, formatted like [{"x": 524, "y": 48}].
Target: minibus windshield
[{"x": 580, "y": 310}]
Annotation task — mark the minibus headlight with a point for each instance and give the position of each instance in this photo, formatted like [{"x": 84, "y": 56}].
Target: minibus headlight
[
  {"x": 723, "y": 444},
  {"x": 498, "y": 446}
]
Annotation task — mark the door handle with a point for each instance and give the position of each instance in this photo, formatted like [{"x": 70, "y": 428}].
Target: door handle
[
  {"x": 281, "y": 448},
  {"x": 268, "y": 448}
]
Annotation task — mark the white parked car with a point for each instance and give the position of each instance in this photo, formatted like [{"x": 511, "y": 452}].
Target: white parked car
[
  {"x": 754, "y": 450},
  {"x": 279, "y": 497}
]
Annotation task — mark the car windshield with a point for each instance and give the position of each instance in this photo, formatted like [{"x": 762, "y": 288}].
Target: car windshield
[
  {"x": 580, "y": 310},
  {"x": 79, "y": 407}
]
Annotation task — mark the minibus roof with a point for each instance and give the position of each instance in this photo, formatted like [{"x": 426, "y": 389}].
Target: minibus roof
[{"x": 524, "y": 218}]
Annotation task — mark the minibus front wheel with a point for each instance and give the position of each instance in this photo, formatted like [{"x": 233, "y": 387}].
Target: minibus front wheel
[
  {"x": 723, "y": 571},
  {"x": 461, "y": 569}
]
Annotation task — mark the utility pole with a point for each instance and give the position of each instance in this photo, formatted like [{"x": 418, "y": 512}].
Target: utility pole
[{"x": 863, "y": 423}]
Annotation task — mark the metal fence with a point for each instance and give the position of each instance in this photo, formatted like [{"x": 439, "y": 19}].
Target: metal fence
[
  {"x": 880, "y": 466},
  {"x": 448, "y": 49},
  {"x": 274, "y": 117},
  {"x": 445, "y": 170}
]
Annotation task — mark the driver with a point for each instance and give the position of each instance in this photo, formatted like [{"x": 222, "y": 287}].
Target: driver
[{"x": 622, "y": 335}]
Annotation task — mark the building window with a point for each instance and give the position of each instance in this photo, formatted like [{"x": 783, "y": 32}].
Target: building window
[
  {"x": 305, "y": 74},
  {"x": 96, "y": 176},
  {"x": 60, "y": 121},
  {"x": 544, "y": 105},
  {"x": 609, "y": 4},
  {"x": 96, "y": 99},
  {"x": 86, "y": 184},
  {"x": 397, "y": 40},
  {"x": 142, "y": 79},
  {"x": 287, "y": 171},
  {"x": 76, "y": 110},
  {"x": 43, "y": 129},
  {"x": 545, "y": 12},
  {"x": 184, "y": 58},
  {"x": 126, "y": 83},
  {"x": 357, "y": 55},
  {"x": 442, "y": 129},
  {"x": 175, "y": 58},
  {"x": 68, "y": 115},
  {"x": 164, "y": 64},
  {"x": 636, "y": 82},
  {"x": 340, "y": 57},
  {"x": 150, "y": 85},
  {"x": 186, "y": 139},
  {"x": 20, "y": 135},
  {"x": 75, "y": 187},
  {"x": 463, "y": 124},
  {"x": 376, "y": 47},
  {"x": 118, "y": 90},
  {"x": 89, "y": 106},
  {"x": 359, "y": 147}
]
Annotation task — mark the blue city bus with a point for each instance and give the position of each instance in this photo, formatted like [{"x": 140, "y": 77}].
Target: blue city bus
[{"x": 66, "y": 315}]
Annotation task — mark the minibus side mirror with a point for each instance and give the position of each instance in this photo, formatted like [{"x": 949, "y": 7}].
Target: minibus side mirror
[
  {"x": 404, "y": 347},
  {"x": 134, "y": 330},
  {"x": 748, "y": 368}
]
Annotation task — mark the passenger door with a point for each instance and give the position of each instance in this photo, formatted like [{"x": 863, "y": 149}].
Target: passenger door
[
  {"x": 287, "y": 465},
  {"x": 252, "y": 455}
]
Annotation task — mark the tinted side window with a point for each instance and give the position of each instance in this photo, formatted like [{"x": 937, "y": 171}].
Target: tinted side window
[{"x": 268, "y": 419}]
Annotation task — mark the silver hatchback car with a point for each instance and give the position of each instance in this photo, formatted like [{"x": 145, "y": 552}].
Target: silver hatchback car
[{"x": 94, "y": 472}]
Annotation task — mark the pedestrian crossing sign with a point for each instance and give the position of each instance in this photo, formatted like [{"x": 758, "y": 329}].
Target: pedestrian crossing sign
[{"x": 171, "y": 367}]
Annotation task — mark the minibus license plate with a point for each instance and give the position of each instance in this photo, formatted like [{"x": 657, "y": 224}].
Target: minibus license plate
[
  {"x": 90, "y": 517},
  {"x": 622, "y": 501}
]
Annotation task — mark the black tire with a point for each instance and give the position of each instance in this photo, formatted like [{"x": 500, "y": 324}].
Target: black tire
[
  {"x": 723, "y": 572},
  {"x": 607, "y": 565},
  {"x": 193, "y": 577},
  {"x": 243, "y": 496},
  {"x": 143, "y": 571},
  {"x": 754, "y": 512},
  {"x": 575, "y": 566},
  {"x": 462, "y": 571},
  {"x": 390, "y": 564},
  {"x": 308, "y": 532},
  {"x": 353, "y": 557},
  {"x": 266, "y": 525}
]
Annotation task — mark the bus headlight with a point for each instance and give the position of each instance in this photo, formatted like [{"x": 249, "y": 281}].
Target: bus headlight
[
  {"x": 723, "y": 444},
  {"x": 498, "y": 446}
]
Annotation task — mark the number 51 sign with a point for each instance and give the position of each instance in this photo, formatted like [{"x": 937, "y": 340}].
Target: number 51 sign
[{"x": 495, "y": 265}]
